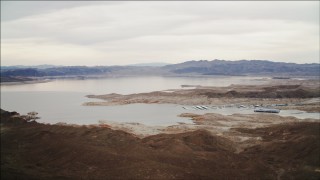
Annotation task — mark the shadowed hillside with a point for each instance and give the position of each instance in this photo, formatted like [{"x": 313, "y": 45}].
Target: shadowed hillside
[{"x": 30, "y": 150}]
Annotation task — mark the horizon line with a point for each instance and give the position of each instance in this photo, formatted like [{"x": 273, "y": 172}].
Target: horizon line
[{"x": 157, "y": 62}]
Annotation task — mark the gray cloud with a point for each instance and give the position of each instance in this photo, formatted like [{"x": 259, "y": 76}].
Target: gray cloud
[
  {"x": 122, "y": 32},
  {"x": 12, "y": 10}
]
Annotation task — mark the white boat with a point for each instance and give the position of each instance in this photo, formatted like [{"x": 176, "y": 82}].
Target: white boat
[{"x": 267, "y": 110}]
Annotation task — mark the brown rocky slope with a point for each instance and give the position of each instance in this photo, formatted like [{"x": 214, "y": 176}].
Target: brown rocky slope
[{"x": 30, "y": 150}]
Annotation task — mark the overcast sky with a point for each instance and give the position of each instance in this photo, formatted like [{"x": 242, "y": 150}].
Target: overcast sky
[{"x": 128, "y": 32}]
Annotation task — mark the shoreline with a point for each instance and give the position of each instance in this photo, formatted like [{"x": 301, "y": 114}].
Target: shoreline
[
  {"x": 289, "y": 96},
  {"x": 220, "y": 98},
  {"x": 216, "y": 124},
  {"x": 24, "y": 82}
]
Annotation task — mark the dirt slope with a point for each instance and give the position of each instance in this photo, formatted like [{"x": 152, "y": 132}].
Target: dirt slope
[{"x": 38, "y": 151}]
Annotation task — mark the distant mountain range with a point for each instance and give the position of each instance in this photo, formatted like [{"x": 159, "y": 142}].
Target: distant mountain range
[
  {"x": 203, "y": 67},
  {"x": 243, "y": 67}
]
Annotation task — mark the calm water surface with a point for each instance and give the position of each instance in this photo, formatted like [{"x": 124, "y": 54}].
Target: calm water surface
[
  {"x": 129, "y": 85},
  {"x": 61, "y": 100}
]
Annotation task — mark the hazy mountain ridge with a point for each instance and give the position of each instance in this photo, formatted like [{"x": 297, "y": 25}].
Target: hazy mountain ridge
[
  {"x": 80, "y": 71},
  {"x": 202, "y": 67},
  {"x": 243, "y": 67}
]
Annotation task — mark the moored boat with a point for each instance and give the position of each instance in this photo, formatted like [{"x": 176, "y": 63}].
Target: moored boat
[{"x": 267, "y": 110}]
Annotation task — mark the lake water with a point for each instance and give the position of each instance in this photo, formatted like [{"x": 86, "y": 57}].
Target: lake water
[
  {"x": 129, "y": 85},
  {"x": 61, "y": 100}
]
